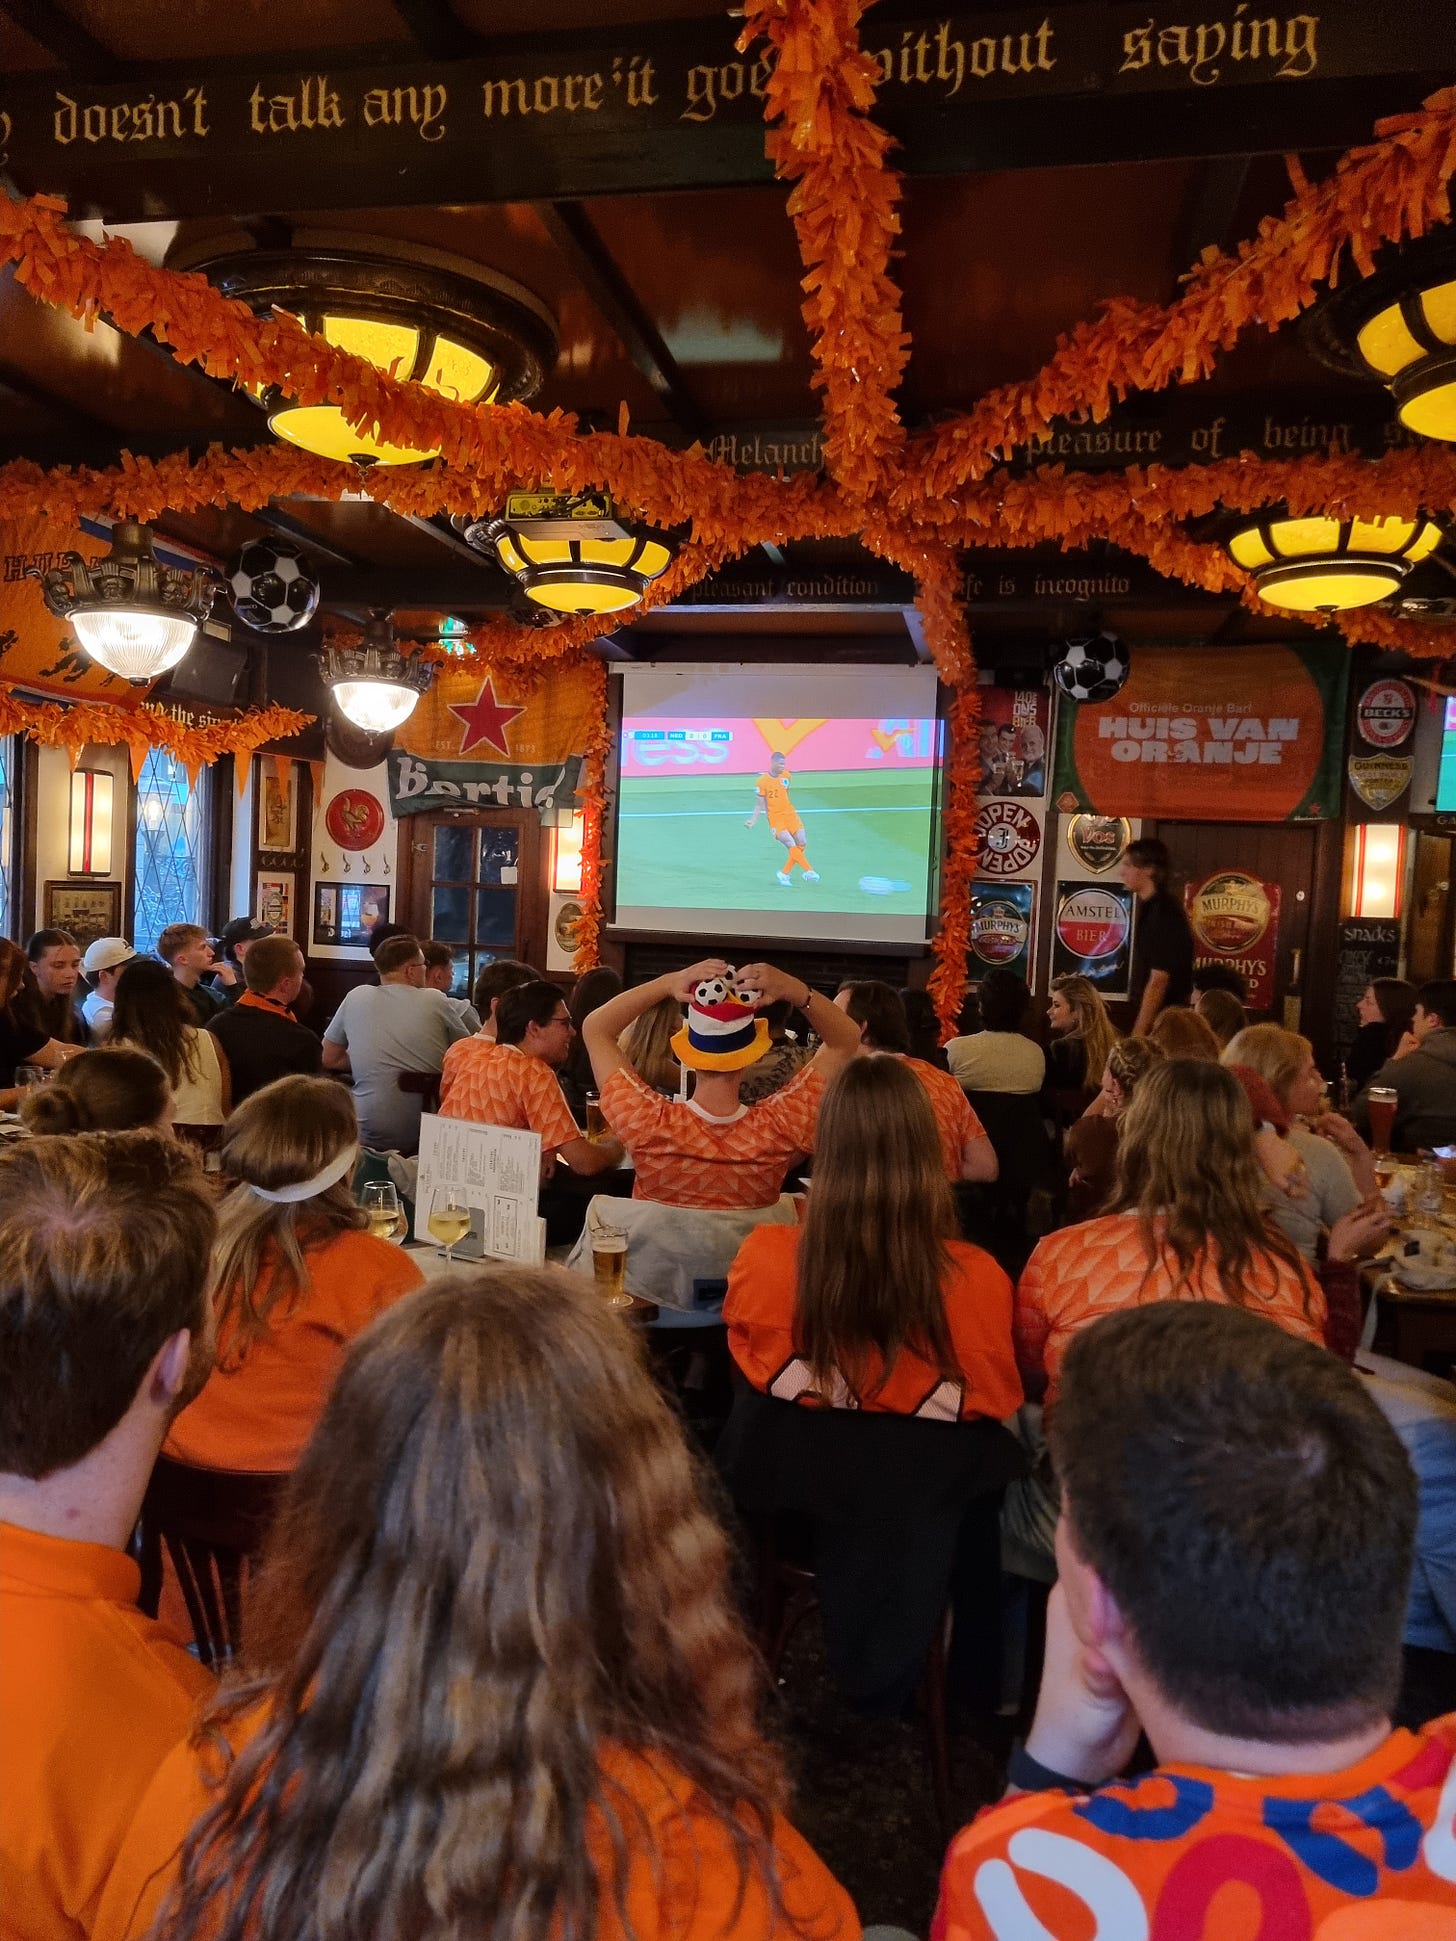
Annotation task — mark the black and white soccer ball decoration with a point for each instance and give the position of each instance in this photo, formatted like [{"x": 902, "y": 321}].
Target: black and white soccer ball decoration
[
  {"x": 712, "y": 990},
  {"x": 273, "y": 586},
  {"x": 1092, "y": 667}
]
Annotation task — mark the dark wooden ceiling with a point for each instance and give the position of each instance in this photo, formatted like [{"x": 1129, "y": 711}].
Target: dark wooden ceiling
[{"x": 684, "y": 304}]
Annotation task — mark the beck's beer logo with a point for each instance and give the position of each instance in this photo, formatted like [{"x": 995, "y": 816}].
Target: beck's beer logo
[{"x": 1386, "y": 713}]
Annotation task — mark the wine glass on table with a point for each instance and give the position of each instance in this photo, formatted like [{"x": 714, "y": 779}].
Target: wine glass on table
[
  {"x": 449, "y": 1221},
  {"x": 380, "y": 1200}
]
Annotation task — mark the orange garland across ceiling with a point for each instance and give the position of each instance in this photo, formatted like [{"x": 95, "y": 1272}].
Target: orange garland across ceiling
[{"x": 913, "y": 500}]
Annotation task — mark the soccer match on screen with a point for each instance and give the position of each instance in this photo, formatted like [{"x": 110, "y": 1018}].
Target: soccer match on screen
[{"x": 760, "y": 814}]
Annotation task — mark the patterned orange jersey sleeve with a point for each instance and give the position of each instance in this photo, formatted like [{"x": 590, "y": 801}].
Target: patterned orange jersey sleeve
[
  {"x": 1029, "y": 1324},
  {"x": 1361, "y": 1855}
]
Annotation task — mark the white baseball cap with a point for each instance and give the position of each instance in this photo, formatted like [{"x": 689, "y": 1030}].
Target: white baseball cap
[{"x": 106, "y": 954}]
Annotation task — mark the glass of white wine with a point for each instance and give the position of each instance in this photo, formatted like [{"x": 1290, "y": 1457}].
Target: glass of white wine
[
  {"x": 380, "y": 1201},
  {"x": 449, "y": 1221}
]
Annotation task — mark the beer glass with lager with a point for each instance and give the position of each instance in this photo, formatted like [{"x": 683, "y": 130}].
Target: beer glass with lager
[
  {"x": 609, "y": 1265},
  {"x": 596, "y": 1125}
]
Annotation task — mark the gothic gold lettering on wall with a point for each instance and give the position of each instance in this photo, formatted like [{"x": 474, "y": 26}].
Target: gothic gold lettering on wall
[
  {"x": 145, "y": 119},
  {"x": 307, "y": 106},
  {"x": 1225, "y": 48}
]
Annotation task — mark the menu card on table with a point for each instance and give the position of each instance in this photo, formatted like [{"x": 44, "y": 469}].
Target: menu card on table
[{"x": 494, "y": 1171}]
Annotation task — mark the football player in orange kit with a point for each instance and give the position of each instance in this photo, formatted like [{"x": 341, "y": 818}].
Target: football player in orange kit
[{"x": 771, "y": 793}]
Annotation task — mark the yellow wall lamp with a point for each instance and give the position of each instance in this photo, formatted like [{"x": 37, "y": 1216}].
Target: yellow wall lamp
[
  {"x": 574, "y": 554},
  {"x": 1324, "y": 565}
]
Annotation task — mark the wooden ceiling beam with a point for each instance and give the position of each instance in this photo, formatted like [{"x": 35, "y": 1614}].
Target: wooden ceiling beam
[
  {"x": 77, "y": 49},
  {"x": 600, "y": 276}
]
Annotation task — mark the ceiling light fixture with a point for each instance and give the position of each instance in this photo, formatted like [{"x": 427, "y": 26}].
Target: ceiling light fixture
[
  {"x": 420, "y": 315},
  {"x": 1323, "y": 565},
  {"x": 574, "y": 554},
  {"x": 1399, "y": 325},
  {"x": 135, "y": 617},
  {"x": 373, "y": 684}
]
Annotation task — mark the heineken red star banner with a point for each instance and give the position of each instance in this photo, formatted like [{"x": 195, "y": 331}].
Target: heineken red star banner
[{"x": 494, "y": 741}]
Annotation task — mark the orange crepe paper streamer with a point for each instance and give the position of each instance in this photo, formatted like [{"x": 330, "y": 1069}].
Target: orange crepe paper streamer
[
  {"x": 76, "y": 725},
  {"x": 844, "y": 207}
]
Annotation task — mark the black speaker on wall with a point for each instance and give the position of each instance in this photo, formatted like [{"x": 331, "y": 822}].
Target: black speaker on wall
[{"x": 213, "y": 671}]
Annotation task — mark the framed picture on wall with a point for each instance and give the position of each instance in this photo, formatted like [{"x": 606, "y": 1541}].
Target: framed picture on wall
[
  {"x": 348, "y": 914},
  {"x": 275, "y": 898},
  {"x": 277, "y": 808},
  {"x": 87, "y": 910}
]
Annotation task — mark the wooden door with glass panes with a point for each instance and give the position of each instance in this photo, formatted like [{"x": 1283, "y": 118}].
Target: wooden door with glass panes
[{"x": 472, "y": 879}]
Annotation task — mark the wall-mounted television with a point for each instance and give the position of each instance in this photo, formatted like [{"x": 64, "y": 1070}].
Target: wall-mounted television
[
  {"x": 1446, "y": 771},
  {"x": 794, "y": 802}
]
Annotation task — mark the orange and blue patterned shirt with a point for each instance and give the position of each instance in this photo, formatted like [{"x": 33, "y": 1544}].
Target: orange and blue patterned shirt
[{"x": 1190, "y": 1853}]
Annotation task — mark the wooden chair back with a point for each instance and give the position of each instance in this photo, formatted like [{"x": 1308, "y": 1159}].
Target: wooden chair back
[
  {"x": 212, "y": 1522},
  {"x": 425, "y": 1085}
]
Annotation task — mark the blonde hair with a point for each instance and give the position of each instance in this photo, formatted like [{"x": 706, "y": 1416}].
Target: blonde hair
[
  {"x": 281, "y": 1136},
  {"x": 1181, "y": 1033},
  {"x": 646, "y": 1045},
  {"x": 1277, "y": 1055},
  {"x": 493, "y": 1580},
  {"x": 1130, "y": 1059},
  {"x": 1093, "y": 1025},
  {"x": 1185, "y": 1157},
  {"x": 1222, "y": 1013}
]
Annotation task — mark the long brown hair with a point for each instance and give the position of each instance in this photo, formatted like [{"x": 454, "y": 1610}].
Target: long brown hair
[
  {"x": 492, "y": 1575},
  {"x": 12, "y": 972},
  {"x": 111, "y": 1089},
  {"x": 1179, "y": 1032},
  {"x": 153, "y": 1013},
  {"x": 280, "y": 1136},
  {"x": 1093, "y": 1024},
  {"x": 1185, "y": 1157},
  {"x": 872, "y": 1252}
]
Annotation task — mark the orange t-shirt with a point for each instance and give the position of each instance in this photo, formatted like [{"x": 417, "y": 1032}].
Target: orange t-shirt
[
  {"x": 258, "y": 1416},
  {"x": 759, "y": 1311},
  {"x": 682, "y": 1879},
  {"x": 501, "y": 1085},
  {"x": 773, "y": 790},
  {"x": 1361, "y": 1855},
  {"x": 93, "y": 1696},
  {"x": 955, "y": 1118},
  {"x": 684, "y": 1158},
  {"x": 1081, "y": 1273}
]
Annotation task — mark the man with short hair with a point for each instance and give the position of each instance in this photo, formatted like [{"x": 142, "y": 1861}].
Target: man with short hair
[
  {"x": 879, "y": 1011},
  {"x": 49, "y": 999},
  {"x": 1162, "y": 940},
  {"x": 383, "y": 1029},
  {"x": 262, "y": 1038},
  {"x": 103, "y": 964},
  {"x": 513, "y": 1082},
  {"x": 187, "y": 951},
  {"x": 105, "y": 1242},
  {"x": 492, "y": 981},
  {"x": 1220, "y": 977},
  {"x": 1234, "y": 1552},
  {"x": 1422, "y": 1074},
  {"x": 440, "y": 976}
]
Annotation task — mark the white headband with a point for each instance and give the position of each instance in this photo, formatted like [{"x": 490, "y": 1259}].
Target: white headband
[{"x": 309, "y": 1189}]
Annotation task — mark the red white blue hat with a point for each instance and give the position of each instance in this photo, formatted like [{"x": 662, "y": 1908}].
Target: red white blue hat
[{"x": 721, "y": 1034}]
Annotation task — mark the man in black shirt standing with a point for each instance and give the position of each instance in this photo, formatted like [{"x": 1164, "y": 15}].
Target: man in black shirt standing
[{"x": 1162, "y": 948}]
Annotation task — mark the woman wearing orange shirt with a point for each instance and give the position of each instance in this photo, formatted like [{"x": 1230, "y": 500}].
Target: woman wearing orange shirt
[
  {"x": 295, "y": 1278},
  {"x": 494, "y": 1681},
  {"x": 1188, "y": 1222},
  {"x": 871, "y": 1303}
]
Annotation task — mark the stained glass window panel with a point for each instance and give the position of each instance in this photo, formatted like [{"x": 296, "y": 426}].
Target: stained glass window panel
[
  {"x": 9, "y": 755},
  {"x": 170, "y": 867}
]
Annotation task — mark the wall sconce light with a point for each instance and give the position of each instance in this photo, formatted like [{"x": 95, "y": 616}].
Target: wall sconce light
[
  {"x": 566, "y": 855},
  {"x": 92, "y": 799},
  {"x": 1377, "y": 872}
]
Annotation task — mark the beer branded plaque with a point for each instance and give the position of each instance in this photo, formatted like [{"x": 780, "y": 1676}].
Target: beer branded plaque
[{"x": 1008, "y": 839}]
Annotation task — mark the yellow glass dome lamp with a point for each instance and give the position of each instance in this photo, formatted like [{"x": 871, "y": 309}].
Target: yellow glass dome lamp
[
  {"x": 574, "y": 555},
  {"x": 372, "y": 683},
  {"x": 422, "y": 316},
  {"x": 1325, "y": 565},
  {"x": 1399, "y": 325}
]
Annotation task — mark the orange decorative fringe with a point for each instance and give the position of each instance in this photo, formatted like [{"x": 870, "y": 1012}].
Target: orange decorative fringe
[
  {"x": 80, "y": 724},
  {"x": 915, "y": 502},
  {"x": 593, "y": 797}
]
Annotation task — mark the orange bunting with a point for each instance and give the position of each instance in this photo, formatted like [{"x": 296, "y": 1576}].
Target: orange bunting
[{"x": 915, "y": 502}]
